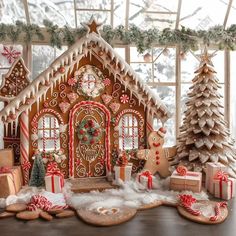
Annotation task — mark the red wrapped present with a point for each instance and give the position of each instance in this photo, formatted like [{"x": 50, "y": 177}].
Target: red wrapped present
[
  {"x": 54, "y": 179},
  {"x": 186, "y": 180},
  {"x": 211, "y": 170},
  {"x": 224, "y": 187},
  {"x": 10, "y": 181},
  {"x": 146, "y": 178}
]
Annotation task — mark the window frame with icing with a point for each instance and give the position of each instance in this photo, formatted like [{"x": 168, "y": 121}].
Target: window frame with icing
[
  {"x": 132, "y": 134},
  {"x": 53, "y": 130}
]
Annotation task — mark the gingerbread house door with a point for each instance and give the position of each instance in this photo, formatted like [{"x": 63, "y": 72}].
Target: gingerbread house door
[{"x": 89, "y": 155}]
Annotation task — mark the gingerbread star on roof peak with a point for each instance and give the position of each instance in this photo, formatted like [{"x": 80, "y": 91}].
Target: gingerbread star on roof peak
[
  {"x": 92, "y": 26},
  {"x": 205, "y": 57}
]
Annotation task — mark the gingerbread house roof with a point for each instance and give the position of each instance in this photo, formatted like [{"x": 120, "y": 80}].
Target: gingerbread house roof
[
  {"x": 56, "y": 73},
  {"x": 14, "y": 81}
]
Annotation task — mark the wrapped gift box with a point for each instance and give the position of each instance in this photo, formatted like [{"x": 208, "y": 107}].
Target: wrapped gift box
[
  {"x": 147, "y": 179},
  {"x": 224, "y": 189},
  {"x": 54, "y": 179},
  {"x": 192, "y": 181},
  {"x": 211, "y": 170},
  {"x": 11, "y": 181},
  {"x": 123, "y": 172},
  {"x": 6, "y": 157}
]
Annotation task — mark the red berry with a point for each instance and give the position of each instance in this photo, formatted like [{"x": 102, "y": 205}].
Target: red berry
[
  {"x": 157, "y": 152},
  {"x": 157, "y": 162},
  {"x": 81, "y": 131},
  {"x": 157, "y": 157},
  {"x": 92, "y": 141},
  {"x": 85, "y": 138},
  {"x": 86, "y": 126}
]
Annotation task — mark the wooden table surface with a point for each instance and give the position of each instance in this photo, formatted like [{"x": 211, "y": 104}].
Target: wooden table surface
[{"x": 163, "y": 221}]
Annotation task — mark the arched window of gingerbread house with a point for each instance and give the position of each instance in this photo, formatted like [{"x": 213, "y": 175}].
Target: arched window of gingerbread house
[
  {"x": 128, "y": 132},
  {"x": 48, "y": 133}
]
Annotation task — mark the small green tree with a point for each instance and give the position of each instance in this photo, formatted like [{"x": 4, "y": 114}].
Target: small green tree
[{"x": 38, "y": 172}]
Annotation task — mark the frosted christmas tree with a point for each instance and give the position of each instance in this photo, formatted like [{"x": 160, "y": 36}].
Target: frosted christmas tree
[
  {"x": 204, "y": 136},
  {"x": 38, "y": 171}
]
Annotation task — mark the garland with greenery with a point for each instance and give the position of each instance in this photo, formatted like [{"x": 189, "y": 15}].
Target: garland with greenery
[{"x": 143, "y": 39}]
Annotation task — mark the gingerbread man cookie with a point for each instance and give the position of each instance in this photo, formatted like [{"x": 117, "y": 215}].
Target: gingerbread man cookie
[{"x": 157, "y": 157}]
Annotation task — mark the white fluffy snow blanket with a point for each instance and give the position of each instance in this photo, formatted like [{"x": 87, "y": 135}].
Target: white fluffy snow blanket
[{"x": 131, "y": 194}]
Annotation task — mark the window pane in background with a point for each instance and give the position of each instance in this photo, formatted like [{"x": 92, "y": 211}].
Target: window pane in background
[
  {"x": 43, "y": 56},
  {"x": 232, "y": 15},
  {"x": 167, "y": 95},
  {"x": 57, "y": 11},
  {"x": 219, "y": 66},
  {"x": 139, "y": 15},
  {"x": 188, "y": 65},
  {"x": 143, "y": 70},
  {"x": 94, "y": 4},
  {"x": 199, "y": 15},
  {"x": 135, "y": 56},
  {"x": 121, "y": 52},
  {"x": 164, "y": 66},
  {"x": 119, "y": 12},
  {"x": 101, "y": 17},
  {"x": 11, "y": 11},
  {"x": 12, "y": 52},
  {"x": 233, "y": 97}
]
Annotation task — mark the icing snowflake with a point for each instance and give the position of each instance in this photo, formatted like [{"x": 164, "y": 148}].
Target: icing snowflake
[
  {"x": 124, "y": 98},
  {"x": 10, "y": 53},
  {"x": 107, "y": 82}
]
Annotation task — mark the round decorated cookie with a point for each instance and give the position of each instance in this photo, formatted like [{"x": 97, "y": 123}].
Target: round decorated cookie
[
  {"x": 150, "y": 205},
  {"x": 28, "y": 215},
  {"x": 210, "y": 212},
  {"x": 106, "y": 216},
  {"x": 16, "y": 207}
]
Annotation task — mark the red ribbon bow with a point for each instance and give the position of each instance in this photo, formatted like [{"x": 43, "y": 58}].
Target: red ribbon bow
[
  {"x": 147, "y": 174},
  {"x": 221, "y": 175},
  {"x": 186, "y": 199},
  {"x": 26, "y": 165}
]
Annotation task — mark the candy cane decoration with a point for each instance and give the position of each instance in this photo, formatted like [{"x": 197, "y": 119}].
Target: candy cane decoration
[
  {"x": 133, "y": 137},
  {"x": 191, "y": 210},
  {"x": 41, "y": 202},
  {"x": 123, "y": 133},
  {"x": 44, "y": 138},
  {"x": 55, "y": 133},
  {"x": 217, "y": 210},
  {"x": 24, "y": 146}
]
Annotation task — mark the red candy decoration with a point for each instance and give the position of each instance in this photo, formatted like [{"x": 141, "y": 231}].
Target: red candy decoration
[{"x": 181, "y": 170}]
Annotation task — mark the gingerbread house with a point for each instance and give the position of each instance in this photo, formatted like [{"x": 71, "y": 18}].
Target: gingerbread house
[{"x": 82, "y": 109}]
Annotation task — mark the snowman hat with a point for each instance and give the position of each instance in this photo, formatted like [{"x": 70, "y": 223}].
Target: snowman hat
[{"x": 161, "y": 132}]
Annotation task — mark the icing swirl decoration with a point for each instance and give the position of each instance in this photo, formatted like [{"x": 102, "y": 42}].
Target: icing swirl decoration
[{"x": 89, "y": 132}]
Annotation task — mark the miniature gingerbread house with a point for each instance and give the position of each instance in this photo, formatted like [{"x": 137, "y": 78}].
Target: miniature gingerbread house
[{"x": 82, "y": 109}]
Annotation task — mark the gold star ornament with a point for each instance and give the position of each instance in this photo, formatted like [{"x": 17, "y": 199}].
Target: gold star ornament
[
  {"x": 205, "y": 57},
  {"x": 92, "y": 26}
]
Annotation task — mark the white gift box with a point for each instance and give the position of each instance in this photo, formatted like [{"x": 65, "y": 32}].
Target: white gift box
[
  {"x": 123, "y": 172},
  {"x": 150, "y": 182},
  {"x": 54, "y": 183},
  {"x": 224, "y": 189},
  {"x": 211, "y": 170}
]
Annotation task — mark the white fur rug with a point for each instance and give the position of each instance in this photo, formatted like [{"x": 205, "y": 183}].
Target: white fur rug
[{"x": 131, "y": 194}]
